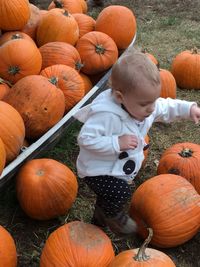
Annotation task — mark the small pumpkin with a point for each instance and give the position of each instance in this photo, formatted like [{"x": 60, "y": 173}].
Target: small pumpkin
[
  {"x": 2, "y": 156},
  {"x": 77, "y": 244},
  {"x": 185, "y": 68},
  {"x": 12, "y": 35},
  {"x": 169, "y": 205},
  {"x": 142, "y": 256},
  {"x": 45, "y": 188},
  {"x": 114, "y": 20},
  {"x": 168, "y": 84},
  {"x": 85, "y": 23},
  {"x": 69, "y": 5},
  {"x": 4, "y": 88},
  {"x": 151, "y": 56},
  {"x": 98, "y": 52},
  {"x": 182, "y": 159},
  {"x": 87, "y": 82},
  {"x": 8, "y": 255}
]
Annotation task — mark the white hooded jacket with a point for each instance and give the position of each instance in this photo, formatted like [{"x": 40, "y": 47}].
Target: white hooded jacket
[{"x": 104, "y": 121}]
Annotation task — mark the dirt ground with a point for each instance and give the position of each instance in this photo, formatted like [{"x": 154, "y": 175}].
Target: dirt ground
[{"x": 165, "y": 27}]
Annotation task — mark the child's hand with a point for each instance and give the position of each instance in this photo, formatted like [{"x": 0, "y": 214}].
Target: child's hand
[
  {"x": 127, "y": 141},
  {"x": 195, "y": 113}
]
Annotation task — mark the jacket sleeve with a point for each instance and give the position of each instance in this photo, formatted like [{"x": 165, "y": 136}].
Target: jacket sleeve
[
  {"x": 97, "y": 134},
  {"x": 168, "y": 110}
]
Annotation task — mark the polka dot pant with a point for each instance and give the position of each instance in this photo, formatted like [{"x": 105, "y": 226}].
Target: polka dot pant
[{"x": 112, "y": 193}]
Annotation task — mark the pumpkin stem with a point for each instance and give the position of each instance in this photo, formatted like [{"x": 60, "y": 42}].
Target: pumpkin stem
[
  {"x": 2, "y": 81},
  {"x": 78, "y": 65},
  {"x": 194, "y": 50},
  {"x": 16, "y": 36},
  {"x": 141, "y": 256},
  {"x": 13, "y": 70},
  {"x": 58, "y": 4},
  {"x": 186, "y": 153},
  {"x": 99, "y": 49},
  {"x": 53, "y": 80},
  {"x": 40, "y": 172}
]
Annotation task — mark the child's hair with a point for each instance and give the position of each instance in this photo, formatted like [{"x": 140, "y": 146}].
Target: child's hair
[{"x": 132, "y": 70}]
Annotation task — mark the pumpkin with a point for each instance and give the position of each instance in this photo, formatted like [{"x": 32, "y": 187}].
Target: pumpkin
[
  {"x": 98, "y": 52},
  {"x": 12, "y": 130},
  {"x": 8, "y": 253},
  {"x": 84, "y": 6},
  {"x": 68, "y": 80},
  {"x": 68, "y": 5},
  {"x": 14, "y": 14},
  {"x": 168, "y": 84},
  {"x": 169, "y": 205},
  {"x": 31, "y": 26},
  {"x": 185, "y": 68},
  {"x": 19, "y": 58},
  {"x": 119, "y": 23},
  {"x": 8, "y": 36},
  {"x": 4, "y": 88},
  {"x": 60, "y": 53},
  {"x": 182, "y": 159},
  {"x": 142, "y": 256},
  {"x": 2, "y": 156},
  {"x": 151, "y": 56},
  {"x": 85, "y": 23},
  {"x": 39, "y": 102},
  {"x": 64, "y": 28},
  {"x": 87, "y": 82},
  {"x": 77, "y": 244},
  {"x": 45, "y": 188}
]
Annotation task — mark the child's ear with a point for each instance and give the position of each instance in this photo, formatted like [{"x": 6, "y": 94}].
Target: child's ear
[{"x": 118, "y": 96}]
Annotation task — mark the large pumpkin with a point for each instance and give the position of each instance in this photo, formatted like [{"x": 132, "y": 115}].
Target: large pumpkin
[
  {"x": 186, "y": 69},
  {"x": 46, "y": 188},
  {"x": 142, "y": 256},
  {"x": 8, "y": 253},
  {"x": 119, "y": 23},
  {"x": 2, "y": 156},
  {"x": 39, "y": 102},
  {"x": 98, "y": 52},
  {"x": 64, "y": 28},
  {"x": 14, "y": 14},
  {"x": 12, "y": 130},
  {"x": 168, "y": 84},
  {"x": 77, "y": 244},
  {"x": 169, "y": 205},
  {"x": 182, "y": 159},
  {"x": 60, "y": 53},
  {"x": 19, "y": 58}
]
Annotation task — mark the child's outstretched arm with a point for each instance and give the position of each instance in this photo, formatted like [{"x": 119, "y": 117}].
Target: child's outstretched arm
[{"x": 195, "y": 113}]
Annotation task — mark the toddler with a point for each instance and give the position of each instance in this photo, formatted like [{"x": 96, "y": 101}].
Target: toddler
[{"x": 112, "y": 140}]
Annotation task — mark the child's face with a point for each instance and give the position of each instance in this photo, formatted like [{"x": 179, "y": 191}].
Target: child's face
[{"x": 141, "y": 102}]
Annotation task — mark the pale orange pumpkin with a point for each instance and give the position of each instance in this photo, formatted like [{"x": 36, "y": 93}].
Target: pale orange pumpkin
[
  {"x": 19, "y": 58},
  {"x": 169, "y": 205},
  {"x": 119, "y": 23},
  {"x": 77, "y": 244},
  {"x": 8, "y": 253},
  {"x": 12, "y": 130},
  {"x": 142, "y": 256},
  {"x": 14, "y": 14},
  {"x": 168, "y": 84},
  {"x": 68, "y": 80},
  {"x": 64, "y": 28},
  {"x": 39, "y": 102},
  {"x": 2, "y": 156},
  {"x": 45, "y": 188}
]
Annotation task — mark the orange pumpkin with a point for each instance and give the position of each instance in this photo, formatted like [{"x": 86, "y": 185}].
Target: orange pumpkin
[
  {"x": 68, "y": 5},
  {"x": 64, "y": 28},
  {"x": 12, "y": 130},
  {"x": 77, "y": 244},
  {"x": 8, "y": 255},
  {"x": 46, "y": 188},
  {"x": 39, "y": 102},
  {"x": 119, "y": 23},
  {"x": 19, "y": 58},
  {"x": 14, "y": 14},
  {"x": 2, "y": 156},
  {"x": 186, "y": 69},
  {"x": 8, "y": 36},
  {"x": 68, "y": 80},
  {"x": 182, "y": 159},
  {"x": 142, "y": 256},
  {"x": 84, "y": 6},
  {"x": 4, "y": 88},
  {"x": 149, "y": 55},
  {"x": 87, "y": 82},
  {"x": 168, "y": 84},
  {"x": 169, "y": 205},
  {"x": 98, "y": 52},
  {"x": 60, "y": 53},
  {"x": 85, "y": 23}
]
